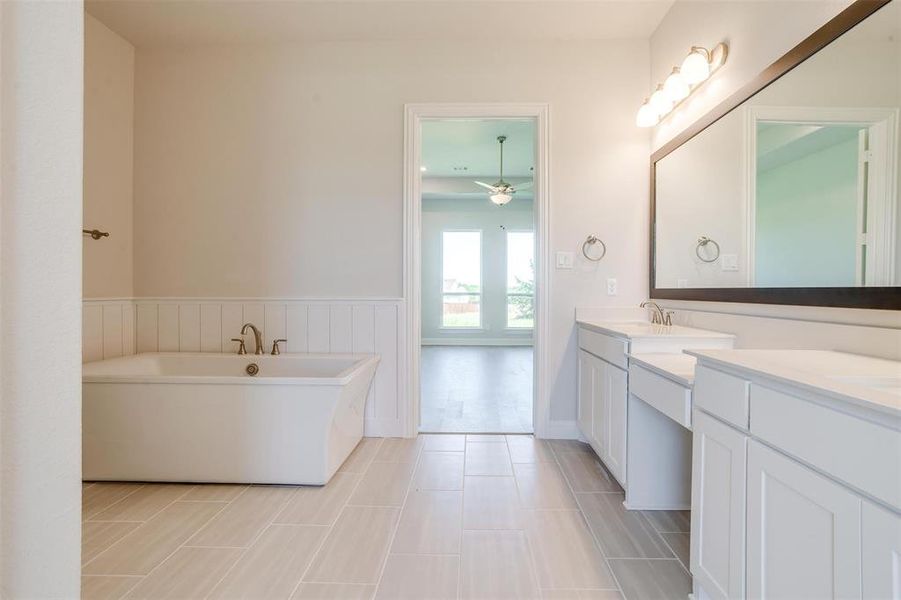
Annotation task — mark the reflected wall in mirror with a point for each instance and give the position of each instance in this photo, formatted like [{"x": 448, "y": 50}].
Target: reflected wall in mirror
[{"x": 795, "y": 187}]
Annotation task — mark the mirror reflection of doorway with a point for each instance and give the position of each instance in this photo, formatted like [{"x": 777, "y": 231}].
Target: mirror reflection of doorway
[{"x": 478, "y": 276}]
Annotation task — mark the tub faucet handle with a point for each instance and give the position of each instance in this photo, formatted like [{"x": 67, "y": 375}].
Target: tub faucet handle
[
  {"x": 275, "y": 350},
  {"x": 241, "y": 348}
]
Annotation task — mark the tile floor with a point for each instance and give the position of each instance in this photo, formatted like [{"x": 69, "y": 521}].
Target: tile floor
[
  {"x": 485, "y": 389},
  {"x": 440, "y": 516}
]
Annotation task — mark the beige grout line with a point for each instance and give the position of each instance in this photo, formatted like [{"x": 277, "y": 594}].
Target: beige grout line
[
  {"x": 331, "y": 527},
  {"x": 182, "y": 545},
  {"x": 245, "y": 549},
  {"x": 400, "y": 514},
  {"x": 597, "y": 544}
]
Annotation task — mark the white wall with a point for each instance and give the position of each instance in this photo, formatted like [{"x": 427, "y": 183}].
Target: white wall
[
  {"x": 276, "y": 171},
  {"x": 439, "y": 215},
  {"x": 40, "y": 298},
  {"x": 108, "y": 161}
]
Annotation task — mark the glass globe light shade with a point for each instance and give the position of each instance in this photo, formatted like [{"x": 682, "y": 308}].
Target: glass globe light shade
[
  {"x": 647, "y": 116},
  {"x": 675, "y": 86},
  {"x": 501, "y": 199},
  {"x": 696, "y": 66}
]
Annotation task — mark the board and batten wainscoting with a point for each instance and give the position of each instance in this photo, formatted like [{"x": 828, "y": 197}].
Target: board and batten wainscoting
[{"x": 117, "y": 327}]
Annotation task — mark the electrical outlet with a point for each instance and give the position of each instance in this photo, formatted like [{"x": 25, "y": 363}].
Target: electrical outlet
[
  {"x": 681, "y": 283},
  {"x": 565, "y": 260},
  {"x": 611, "y": 287}
]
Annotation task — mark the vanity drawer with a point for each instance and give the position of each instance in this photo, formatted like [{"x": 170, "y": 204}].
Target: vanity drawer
[
  {"x": 667, "y": 396},
  {"x": 858, "y": 452},
  {"x": 722, "y": 395},
  {"x": 611, "y": 349}
]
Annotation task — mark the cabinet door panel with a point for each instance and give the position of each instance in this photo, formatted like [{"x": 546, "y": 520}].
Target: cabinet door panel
[
  {"x": 601, "y": 406},
  {"x": 803, "y": 531},
  {"x": 718, "y": 507},
  {"x": 881, "y": 546},
  {"x": 586, "y": 385},
  {"x": 617, "y": 401}
]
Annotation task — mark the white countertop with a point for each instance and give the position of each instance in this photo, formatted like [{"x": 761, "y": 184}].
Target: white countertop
[
  {"x": 873, "y": 383},
  {"x": 679, "y": 368},
  {"x": 631, "y": 330}
]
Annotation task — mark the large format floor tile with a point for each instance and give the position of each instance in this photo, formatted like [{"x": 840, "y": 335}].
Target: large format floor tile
[
  {"x": 621, "y": 533},
  {"x": 383, "y": 484},
  {"x": 565, "y": 555},
  {"x": 143, "y": 503},
  {"x": 646, "y": 579},
  {"x": 245, "y": 518},
  {"x": 356, "y": 546},
  {"x": 496, "y": 565},
  {"x": 419, "y": 577},
  {"x": 585, "y": 473},
  {"x": 319, "y": 505},
  {"x": 106, "y": 587},
  {"x": 273, "y": 566},
  {"x": 147, "y": 546},
  {"x": 401, "y": 519},
  {"x": 440, "y": 471},
  {"x": 488, "y": 458},
  {"x": 188, "y": 573},
  {"x": 431, "y": 523},
  {"x": 541, "y": 485},
  {"x": 491, "y": 503},
  {"x": 334, "y": 591}
]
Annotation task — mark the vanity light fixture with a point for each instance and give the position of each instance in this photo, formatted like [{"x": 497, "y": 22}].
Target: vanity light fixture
[{"x": 697, "y": 68}]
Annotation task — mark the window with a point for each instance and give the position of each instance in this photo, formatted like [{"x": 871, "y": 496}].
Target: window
[
  {"x": 461, "y": 279},
  {"x": 520, "y": 279}
]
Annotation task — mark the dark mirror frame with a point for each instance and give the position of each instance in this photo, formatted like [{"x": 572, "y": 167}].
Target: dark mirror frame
[{"x": 888, "y": 298}]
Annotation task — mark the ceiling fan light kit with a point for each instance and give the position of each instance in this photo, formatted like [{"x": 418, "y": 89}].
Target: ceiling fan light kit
[
  {"x": 695, "y": 69},
  {"x": 502, "y": 192}
]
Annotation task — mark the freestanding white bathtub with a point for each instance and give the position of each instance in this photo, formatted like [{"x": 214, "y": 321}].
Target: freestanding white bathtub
[{"x": 201, "y": 418}]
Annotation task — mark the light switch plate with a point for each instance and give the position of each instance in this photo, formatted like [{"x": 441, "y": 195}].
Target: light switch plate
[
  {"x": 565, "y": 260},
  {"x": 729, "y": 262}
]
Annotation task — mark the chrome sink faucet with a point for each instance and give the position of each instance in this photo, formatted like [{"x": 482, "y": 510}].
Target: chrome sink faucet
[
  {"x": 257, "y": 336},
  {"x": 658, "y": 317}
]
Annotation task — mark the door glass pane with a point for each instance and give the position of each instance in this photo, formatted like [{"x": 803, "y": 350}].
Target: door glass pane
[
  {"x": 462, "y": 261},
  {"x": 520, "y": 279}
]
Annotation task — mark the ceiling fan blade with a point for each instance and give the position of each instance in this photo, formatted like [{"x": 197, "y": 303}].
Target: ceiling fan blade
[
  {"x": 486, "y": 186},
  {"x": 523, "y": 186}
]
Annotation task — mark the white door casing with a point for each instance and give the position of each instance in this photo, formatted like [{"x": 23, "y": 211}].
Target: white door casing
[{"x": 414, "y": 115}]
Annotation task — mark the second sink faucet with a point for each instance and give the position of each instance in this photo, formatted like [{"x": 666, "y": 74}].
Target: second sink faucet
[
  {"x": 658, "y": 317},
  {"x": 257, "y": 336}
]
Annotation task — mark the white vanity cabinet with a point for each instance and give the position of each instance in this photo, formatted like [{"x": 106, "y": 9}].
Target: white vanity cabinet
[
  {"x": 604, "y": 390},
  {"x": 795, "y": 487},
  {"x": 719, "y": 454},
  {"x": 602, "y": 410}
]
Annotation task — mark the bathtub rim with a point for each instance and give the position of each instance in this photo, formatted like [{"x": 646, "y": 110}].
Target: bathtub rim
[{"x": 363, "y": 362}]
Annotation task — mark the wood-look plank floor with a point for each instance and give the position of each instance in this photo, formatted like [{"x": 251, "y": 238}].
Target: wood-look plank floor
[{"x": 441, "y": 516}]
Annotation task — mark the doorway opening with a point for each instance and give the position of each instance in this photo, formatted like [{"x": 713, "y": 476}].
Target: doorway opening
[{"x": 475, "y": 304}]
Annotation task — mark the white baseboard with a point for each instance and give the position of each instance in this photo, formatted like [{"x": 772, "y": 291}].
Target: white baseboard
[
  {"x": 476, "y": 342},
  {"x": 562, "y": 430}
]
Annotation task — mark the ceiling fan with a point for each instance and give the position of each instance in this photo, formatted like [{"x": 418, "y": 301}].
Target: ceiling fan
[{"x": 501, "y": 191}]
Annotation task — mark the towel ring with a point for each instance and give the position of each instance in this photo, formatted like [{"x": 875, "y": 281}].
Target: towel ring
[
  {"x": 703, "y": 241},
  {"x": 591, "y": 240}
]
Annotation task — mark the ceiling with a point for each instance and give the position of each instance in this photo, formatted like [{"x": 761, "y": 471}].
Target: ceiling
[
  {"x": 457, "y": 151},
  {"x": 188, "y": 22},
  {"x": 469, "y": 148}
]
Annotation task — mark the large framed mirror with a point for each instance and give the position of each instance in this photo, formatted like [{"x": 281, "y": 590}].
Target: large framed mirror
[{"x": 788, "y": 192}]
